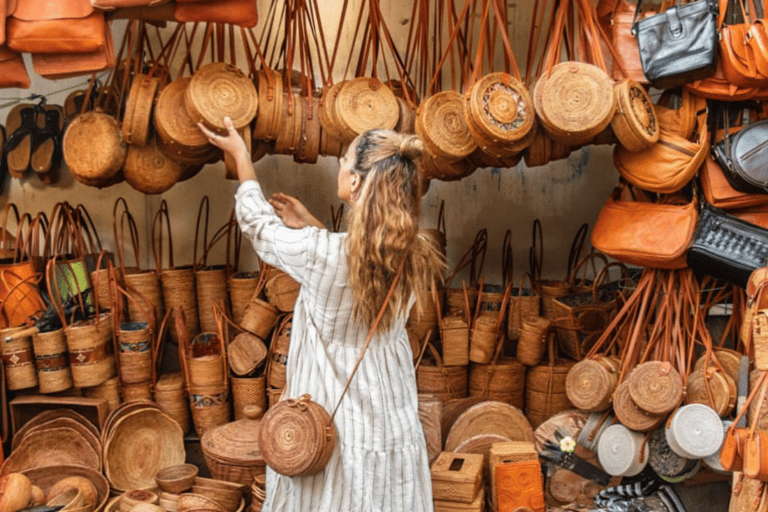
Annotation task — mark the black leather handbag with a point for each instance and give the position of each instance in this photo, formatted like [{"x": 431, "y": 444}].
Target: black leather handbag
[
  {"x": 727, "y": 247},
  {"x": 743, "y": 157},
  {"x": 678, "y": 45}
]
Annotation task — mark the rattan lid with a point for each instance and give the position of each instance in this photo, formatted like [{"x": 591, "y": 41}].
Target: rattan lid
[
  {"x": 245, "y": 353},
  {"x": 52, "y": 447},
  {"x": 656, "y": 387},
  {"x": 695, "y": 431},
  {"x": 237, "y": 441},
  {"x": 575, "y": 102},
  {"x": 94, "y": 149},
  {"x": 590, "y": 385},
  {"x": 634, "y": 122},
  {"x": 149, "y": 170},
  {"x": 489, "y": 417},
  {"x": 499, "y": 110},
  {"x": 622, "y": 452},
  {"x": 442, "y": 125},
  {"x": 173, "y": 124},
  {"x": 364, "y": 104},
  {"x": 630, "y": 414},
  {"x": 218, "y": 90}
]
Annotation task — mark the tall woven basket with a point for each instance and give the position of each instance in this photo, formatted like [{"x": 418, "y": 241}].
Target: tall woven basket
[{"x": 52, "y": 361}]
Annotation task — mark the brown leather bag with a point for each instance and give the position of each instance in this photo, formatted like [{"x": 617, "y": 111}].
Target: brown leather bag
[
  {"x": 632, "y": 229},
  {"x": 719, "y": 192},
  {"x": 106, "y": 5},
  {"x": 236, "y": 12},
  {"x": 65, "y": 26},
  {"x": 13, "y": 72},
  {"x": 743, "y": 46},
  {"x": 65, "y": 65}
]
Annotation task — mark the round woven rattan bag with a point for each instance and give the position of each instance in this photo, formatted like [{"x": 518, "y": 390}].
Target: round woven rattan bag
[
  {"x": 364, "y": 104},
  {"x": 656, "y": 387},
  {"x": 297, "y": 437},
  {"x": 149, "y": 170},
  {"x": 174, "y": 126},
  {"x": 442, "y": 125},
  {"x": 217, "y": 90},
  {"x": 500, "y": 114},
  {"x": 634, "y": 123},
  {"x": 94, "y": 149},
  {"x": 270, "y": 89},
  {"x": 574, "y": 102},
  {"x": 137, "y": 118},
  {"x": 327, "y": 111}
]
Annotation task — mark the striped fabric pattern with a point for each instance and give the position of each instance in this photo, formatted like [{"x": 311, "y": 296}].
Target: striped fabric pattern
[{"x": 380, "y": 461}]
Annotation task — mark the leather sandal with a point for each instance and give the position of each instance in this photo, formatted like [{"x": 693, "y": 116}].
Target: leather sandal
[
  {"x": 46, "y": 149},
  {"x": 20, "y": 129},
  {"x": 3, "y": 164}
]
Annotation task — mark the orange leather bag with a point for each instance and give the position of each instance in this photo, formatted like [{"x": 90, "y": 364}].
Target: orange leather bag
[
  {"x": 235, "y": 12},
  {"x": 634, "y": 230},
  {"x": 65, "y": 65},
  {"x": 670, "y": 163},
  {"x": 743, "y": 46},
  {"x": 106, "y": 5},
  {"x": 64, "y": 26},
  {"x": 754, "y": 443},
  {"x": 13, "y": 72}
]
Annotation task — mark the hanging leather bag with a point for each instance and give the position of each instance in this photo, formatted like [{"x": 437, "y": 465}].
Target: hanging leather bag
[
  {"x": 678, "y": 45},
  {"x": 743, "y": 156},
  {"x": 234, "y": 12},
  {"x": 13, "y": 72},
  {"x": 65, "y": 26}
]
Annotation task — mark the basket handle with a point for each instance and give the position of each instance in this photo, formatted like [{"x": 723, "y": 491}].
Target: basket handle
[
  {"x": 5, "y": 244},
  {"x": 33, "y": 279},
  {"x": 157, "y": 237},
  {"x": 119, "y": 236},
  {"x": 204, "y": 204},
  {"x": 336, "y": 216}
]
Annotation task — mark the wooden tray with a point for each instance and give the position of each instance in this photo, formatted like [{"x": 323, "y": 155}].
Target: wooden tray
[{"x": 24, "y": 408}]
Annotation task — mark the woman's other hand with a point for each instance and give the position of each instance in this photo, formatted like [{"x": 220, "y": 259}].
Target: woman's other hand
[{"x": 292, "y": 212}]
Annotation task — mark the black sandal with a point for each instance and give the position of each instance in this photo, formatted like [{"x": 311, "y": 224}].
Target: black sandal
[{"x": 51, "y": 132}]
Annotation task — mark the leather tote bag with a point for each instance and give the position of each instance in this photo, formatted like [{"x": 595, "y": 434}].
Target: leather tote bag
[
  {"x": 65, "y": 26},
  {"x": 678, "y": 45}
]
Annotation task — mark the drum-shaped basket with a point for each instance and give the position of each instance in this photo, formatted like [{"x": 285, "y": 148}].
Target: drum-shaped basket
[
  {"x": 441, "y": 124},
  {"x": 137, "y": 117},
  {"x": 94, "y": 149},
  {"x": 260, "y": 317},
  {"x": 501, "y": 382},
  {"x": 245, "y": 353},
  {"x": 270, "y": 104},
  {"x": 364, "y": 104},
  {"x": 634, "y": 122},
  {"x": 174, "y": 126},
  {"x": 630, "y": 415},
  {"x": 91, "y": 352},
  {"x": 18, "y": 360},
  {"x": 211, "y": 284},
  {"x": 282, "y": 290},
  {"x": 53, "y": 373},
  {"x": 149, "y": 170},
  {"x": 217, "y": 90},
  {"x": 241, "y": 288},
  {"x": 712, "y": 387},
  {"x": 591, "y": 382},
  {"x": 574, "y": 102},
  {"x": 232, "y": 451},
  {"x": 656, "y": 387},
  {"x": 445, "y": 382},
  {"x": 140, "y": 444},
  {"x": 248, "y": 391},
  {"x": 171, "y": 396}
]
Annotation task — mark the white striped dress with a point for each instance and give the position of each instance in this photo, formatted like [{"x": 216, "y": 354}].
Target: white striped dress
[{"x": 380, "y": 460}]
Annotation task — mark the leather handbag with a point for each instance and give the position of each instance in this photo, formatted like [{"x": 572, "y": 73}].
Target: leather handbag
[
  {"x": 13, "y": 72},
  {"x": 727, "y": 247},
  {"x": 65, "y": 26},
  {"x": 54, "y": 66},
  {"x": 235, "y": 12},
  {"x": 678, "y": 45},
  {"x": 105, "y": 5},
  {"x": 743, "y": 46},
  {"x": 667, "y": 165},
  {"x": 733, "y": 451},
  {"x": 743, "y": 156},
  {"x": 718, "y": 191},
  {"x": 635, "y": 230}
]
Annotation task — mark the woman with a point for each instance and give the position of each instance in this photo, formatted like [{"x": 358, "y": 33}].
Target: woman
[{"x": 380, "y": 461}]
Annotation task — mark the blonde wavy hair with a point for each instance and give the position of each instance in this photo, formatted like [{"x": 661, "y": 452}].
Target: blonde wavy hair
[{"x": 384, "y": 229}]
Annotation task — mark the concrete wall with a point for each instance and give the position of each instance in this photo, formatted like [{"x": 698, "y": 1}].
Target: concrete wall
[{"x": 562, "y": 194}]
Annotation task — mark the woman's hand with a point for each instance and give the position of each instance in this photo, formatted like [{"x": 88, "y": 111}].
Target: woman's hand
[
  {"x": 292, "y": 212},
  {"x": 233, "y": 144}
]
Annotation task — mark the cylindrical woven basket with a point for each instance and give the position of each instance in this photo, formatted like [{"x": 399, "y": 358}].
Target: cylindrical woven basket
[
  {"x": 205, "y": 361},
  {"x": 241, "y": 288},
  {"x": 454, "y": 301},
  {"x": 484, "y": 338},
  {"x": 220, "y": 89},
  {"x": 591, "y": 382},
  {"x": 282, "y": 290},
  {"x": 135, "y": 352},
  {"x": 179, "y": 293},
  {"x": 137, "y": 116},
  {"x": 136, "y": 392},
  {"x": 108, "y": 390},
  {"x": 327, "y": 112},
  {"x": 52, "y": 360},
  {"x": 445, "y": 382},
  {"x": 270, "y": 104},
  {"x": 211, "y": 286},
  {"x": 713, "y": 388},
  {"x": 91, "y": 354},
  {"x": 18, "y": 360},
  {"x": 455, "y": 338},
  {"x": 171, "y": 396},
  {"x": 502, "y": 382},
  {"x": 532, "y": 340},
  {"x": 101, "y": 282},
  {"x": 441, "y": 124},
  {"x": 260, "y": 317},
  {"x": 248, "y": 391},
  {"x": 522, "y": 304},
  {"x": 364, "y": 104},
  {"x": 545, "y": 391},
  {"x": 278, "y": 354},
  {"x": 292, "y": 117},
  {"x": 144, "y": 284},
  {"x": 209, "y": 406},
  {"x": 656, "y": 387},
  {"x": 151, "y": 171}
]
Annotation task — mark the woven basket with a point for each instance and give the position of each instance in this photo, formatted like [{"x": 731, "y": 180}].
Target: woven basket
[
  {"x": 574, "y": 102},
  {"x": 217, "y": 90},
  {"x": 523, "y": 303},
  {"x": 178, "y": 286},
  {"x": 630, "y": 415},
  {"x": 545, "y": 390},
  {"x": 233, "y": 453},
  {"x": 260, "y": 317},
  {"x": 137, "y": 116},
  {"x": 327, "y": 113},
  {"x": 309, "y": 137},
  {"x": 144, "y": 284},
  {"x": 109, "y": 391},
  {"x": 501, "y": 382},
  {"x": 241, "y": 288},
  {"x": 441, "y": 124},
  {"x": 134, "y": 354},
  {"x": 330, "y": 145},
  {"x": 543, "y": 149},
  {"x": 204, "y": 361},
  {"x": 532, "y": 340},
  {"x": 591, "y": 382},
  {"x": 364, "y": 104},
  {"x": 171, "y": 396},
  {"x": 500, "y": 114},
  {"x": 297, "y": 437},
  {"x": 149, "y": 170},
  {"x": 406, "y": 121},
  {"x": 484, "y": 339},
  {"x": 655, "y": 387},
  {"x": 712, "y": 388},
  {"x": 270, "y": 104},
  {"x": 209, "y": 406},
  {"x": 91, "y": 354},
  {"x": 248, "y": 391},
  {"x": 634, "y": 122},
  {"x": 138, "y": 392},
  {"x": 211, "y": 284},
  {"x": 277, "y": 358},
  {"x": 52, "y": 361},
  {"x": 18, "y": 360},
  {"x": 94, "y": 149},
  {"x": 489, "y": 418},
  {"x": 175, "y": 128},
  {"x": 282, "y": 291},
  {"x": 445, "y": 382},
  {"x": 245, "y": 353},
  {"x": 454, "y": 334}
]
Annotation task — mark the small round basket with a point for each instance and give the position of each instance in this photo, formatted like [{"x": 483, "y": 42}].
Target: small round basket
[
  {"x": 94, "y": 149},
  {"x": 442, "y": 125},
  {"x": 634, "y": 122},
  {"x": 217, "y": 90},
  {"x": 137, "y": 117},
  {"x": 177, "y": 479},
  {"x": 149, "y": 170},
  {"x": 363, "y": 104}
]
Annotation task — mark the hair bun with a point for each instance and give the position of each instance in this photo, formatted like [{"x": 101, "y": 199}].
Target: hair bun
[{"x": 410, "y": 147}]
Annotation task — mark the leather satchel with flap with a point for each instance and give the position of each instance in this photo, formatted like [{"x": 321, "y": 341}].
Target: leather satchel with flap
[
  {"x": 64, "y": 26},
  {"x": 635, "y": 230}
]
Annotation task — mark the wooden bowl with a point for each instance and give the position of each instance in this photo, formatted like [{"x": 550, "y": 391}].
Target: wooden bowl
[{"x": 177, "y": 479}]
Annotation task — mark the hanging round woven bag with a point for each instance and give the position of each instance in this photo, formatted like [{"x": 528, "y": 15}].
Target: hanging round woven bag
[
  {"x": 590, "y": 384},
  {"x": 270, "y": 104},
  {"x": 442, "y": 125},
  {"x": 656, "y": 387},
  {"x": 297, "y": 437},
  {"x": 327, "y": 111},
  {"x": 500, "y": 114},
  {"x": 149, "y": 170},
  {"x": 177, "y": 130},
  {"x": 630, "y": 415},
  {"x": 137, "y": 117},
  {"x": 219, "y": 90},
  {"x": 364, "y": 104},
  {"x": 574, "y": 102},
  {"x": 94, "y": 150},
  {"x": 634, "y": 123}
]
